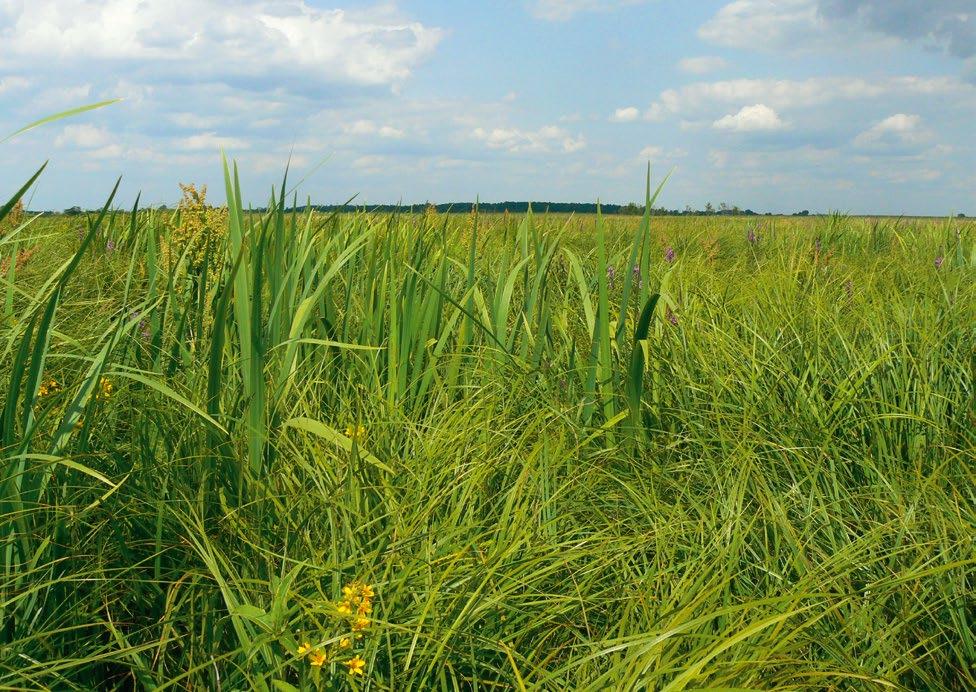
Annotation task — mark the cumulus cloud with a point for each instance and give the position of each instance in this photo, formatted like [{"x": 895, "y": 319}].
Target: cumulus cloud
[
  {"x": 781, "y": 23},
  {"x": 197, "y": 39},
  {"x": 896, "y": 130},
  {"x": 625, "y": 115},
  {"x": 369, "y": 128},
  {"x": 211, "y": 140},
  {"x": 702, "y": 64},
  {"x": 561, "y": 10},
  {"x": 657, "y": 153},
  {"x": 83, "y": 136},
  {"x": 703, "y": 98},
  {"x": 545, "y": 139},
  {"x": 804, "y": 24},
  {"x": 950, "y": 24},
  {"x": 902, "y": 176},
  {"x": 13, "y": 83},
  {"x": 757, "y": 118}
]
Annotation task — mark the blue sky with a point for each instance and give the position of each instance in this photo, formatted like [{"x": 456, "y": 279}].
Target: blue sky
[{"x": 858, "y": 105}]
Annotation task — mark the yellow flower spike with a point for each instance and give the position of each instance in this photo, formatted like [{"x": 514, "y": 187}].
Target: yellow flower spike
[
  {"x": 304, "y": 648},
  {"x": 344, "y": 609},
  {"x": 360, "y": 624},
  {"x": 366, "y": 591},
  {"x": 356, "y": 665},
  {"x": 344, "y": 643},
  {"x": 317, "y": 658}
]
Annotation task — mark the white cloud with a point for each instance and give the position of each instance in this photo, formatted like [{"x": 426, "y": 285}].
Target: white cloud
[
  {"x": 210, "y": 140},
  {"x": 780, "y": 23},
  {"x": 900, "y": 176},
  {"x": 12, "y": 83},
  {"x": 851, "y": 25},
  {"x": 561, "y": 10},
  {"x": 545, "y": 139},
  {"x": 368, "y": 128},
  {"x": 757, "y": 118},
  {"x": 193, "y": 121},
  {"x": 655, "y": 153},
  {"x": 899, "y": 129},
  {"x": 702, "y": 64},
  {"x": 702, "y": 98},
  {"x": 625, "y": 115},
  {"x": 371, "y": 163},
  {"x": 197, "y": 39},
  {"x": 83, "y": 137},
  {"x": 656, "y": 113}
]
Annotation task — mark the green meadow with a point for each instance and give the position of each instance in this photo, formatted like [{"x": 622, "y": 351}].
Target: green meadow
[{"x": 285, "y": 450}]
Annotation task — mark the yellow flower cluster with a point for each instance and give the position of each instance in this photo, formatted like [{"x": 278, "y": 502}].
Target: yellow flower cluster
[
  {"x": 105, "y": 389},
  {"x": 354, "y": 607},
  {"x": 356, "y": 432},
  {"x": 48, "y": 388},
  {"x": 199, "y": 225}
]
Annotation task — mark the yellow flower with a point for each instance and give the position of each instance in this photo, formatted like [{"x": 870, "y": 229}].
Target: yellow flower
[
  {"x": 49, "y": 387},
  {"x": 304, "y": 649},
  {"x": 365, "y": 608},
  {"x": 105, "y": 389},
  {"x": 344, "y": 643},
  {"x": 366, "y": 591},
  {"x": 356, "y": 665},
  {"x": 317, "y": 658},
  {"x": 356, "y": 432},
  {"x": 360, "y": 624},
  {"x": 344, "y": 608}
]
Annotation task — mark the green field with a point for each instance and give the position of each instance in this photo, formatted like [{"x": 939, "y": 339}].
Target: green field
[{"x": 542, "y": 452}]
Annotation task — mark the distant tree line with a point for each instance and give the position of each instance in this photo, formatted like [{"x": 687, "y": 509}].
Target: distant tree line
[{"x": 631, "y": 209}]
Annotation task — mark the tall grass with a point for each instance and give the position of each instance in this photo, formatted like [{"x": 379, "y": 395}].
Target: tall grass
[{"x": 563, "y": 457}]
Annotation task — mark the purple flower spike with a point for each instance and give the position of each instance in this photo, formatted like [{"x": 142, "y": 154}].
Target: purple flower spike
[
  {"x": 671, "y": 317},
  {"x": 110, "y": 246},
  {"x": 938, "y": 261},
  {"x": 669, "y": 255},
  {"x": 752, "y": 237},
  {"x": 611, "y": 274}
]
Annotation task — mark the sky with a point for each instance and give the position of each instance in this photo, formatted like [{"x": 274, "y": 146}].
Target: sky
[{"x": 860, "y": 106}]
